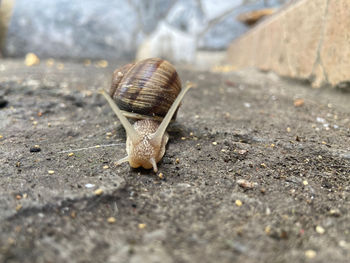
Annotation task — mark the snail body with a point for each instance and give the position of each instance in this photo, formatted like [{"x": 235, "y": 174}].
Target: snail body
[{"x": 149, "y": 91}]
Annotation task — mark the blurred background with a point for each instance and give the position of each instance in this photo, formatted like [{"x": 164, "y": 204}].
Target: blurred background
[{"x": 184, "y": 31}]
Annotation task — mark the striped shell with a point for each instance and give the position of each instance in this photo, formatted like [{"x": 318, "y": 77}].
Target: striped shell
[{"x": 145, "y": 89}]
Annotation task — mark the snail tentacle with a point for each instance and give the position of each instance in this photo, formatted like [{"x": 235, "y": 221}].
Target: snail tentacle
[
  {"x": 123, "y": 160},
  {"x": 158, "y": 135},
  {"x": 154, "y": 164},
  {"x": 131, "y": 132}
]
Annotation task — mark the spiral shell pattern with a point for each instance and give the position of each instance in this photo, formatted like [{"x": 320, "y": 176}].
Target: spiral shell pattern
[{"x": 146, "y": 88}]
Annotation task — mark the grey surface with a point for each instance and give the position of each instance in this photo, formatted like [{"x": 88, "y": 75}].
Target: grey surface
[
  {"x": 115, "y": 29},
  {"x": 191, "y": 215},
  {"x": 73, "y": 29}
]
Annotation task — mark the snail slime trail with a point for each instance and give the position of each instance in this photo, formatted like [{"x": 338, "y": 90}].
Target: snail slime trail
[{"x": 150, "y": 92}]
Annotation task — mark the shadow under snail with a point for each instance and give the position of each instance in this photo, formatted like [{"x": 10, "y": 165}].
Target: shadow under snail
[{"x": 149, "y": 91}]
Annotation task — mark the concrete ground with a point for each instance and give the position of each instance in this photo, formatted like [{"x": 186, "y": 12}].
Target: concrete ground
[{"x": 257, "y": 170}]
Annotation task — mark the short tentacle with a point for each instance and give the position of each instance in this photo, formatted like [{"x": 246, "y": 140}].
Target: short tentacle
[
  {"x": 123, "y": 160},
  {"x": 154, "y": 164}
]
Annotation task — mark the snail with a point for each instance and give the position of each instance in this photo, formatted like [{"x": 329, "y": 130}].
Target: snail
[{"x": 150, "y": 92}]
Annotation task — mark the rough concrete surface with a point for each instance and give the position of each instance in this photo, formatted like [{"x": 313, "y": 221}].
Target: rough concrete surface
[
  {"x": 306, "y": 40},
  {"x": 250, "y": 174}
]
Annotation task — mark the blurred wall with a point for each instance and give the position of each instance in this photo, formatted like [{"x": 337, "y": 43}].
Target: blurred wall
[
  {"x": 5, "y": 16},
  {"x": 121, "y": 29},
  {"x": 308, "y": 40}
]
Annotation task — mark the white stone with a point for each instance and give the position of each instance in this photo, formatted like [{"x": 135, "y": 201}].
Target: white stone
[
  {"x": 186, "y": 16},
  {"x": 169, "y": 43}
]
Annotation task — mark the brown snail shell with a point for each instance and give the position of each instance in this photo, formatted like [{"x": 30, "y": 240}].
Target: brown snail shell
[{"x": 145, "y": 89}]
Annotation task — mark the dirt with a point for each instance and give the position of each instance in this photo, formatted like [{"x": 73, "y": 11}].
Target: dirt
[{"x": 250, "y": 173}]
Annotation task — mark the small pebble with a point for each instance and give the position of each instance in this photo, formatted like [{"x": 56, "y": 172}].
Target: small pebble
[
  {"x": 49, "y": 124},
  {"x": 245, "y": 184},
  {"x": 111, "y": 220},
  {"x": 241, "y": 152},
  {"x": 18, "y": 207},
  {"x": 89, "y": 185},
  {"x": 320, "y": 120},
  {"x": 334, "y": 212},
  {"x": 310, "y": 253},
  {"x": 214, "y": 143},
  {"x": 11, "y": 241},
  {"x": 343, "y": 244},
  {"x": 31, "y": 59},
  {"x": 73, "y": 214},
  {"x": 142, "y": 226},
  {"x": 305, "y": 182},
  {"x": 263, "y": 165},
  {"x": 1, "y": 136},
  {"x": 18, "y": 197},
  {"x": 177, "y": 161},
  {"x": 289, "y": 129},
  {"x": 70, "y": 154},
  {"x": 105, "y": 167},
  {"x": 109, "y": 134},
  {"x": 35, "y": 149},
  {"x": 161, "y": 176},
  {"x": 98, "y": 191},
  {"x": 51, "y": 171},
  {"x": 238, "y": 203},
  {"x": 102, "y": 64},
  {"x": 298, "y": 102},
  {"x": 320, "y": 230},
  {"x": 247, "y": 105}
]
